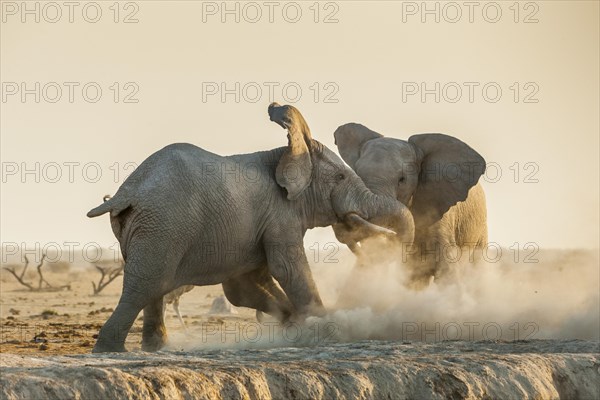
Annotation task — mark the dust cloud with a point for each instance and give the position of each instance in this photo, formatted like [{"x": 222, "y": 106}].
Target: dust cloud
[{"x": 552, "y": 294}]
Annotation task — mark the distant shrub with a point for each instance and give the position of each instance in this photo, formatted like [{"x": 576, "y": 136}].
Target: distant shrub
[{"x": 59, "y": 267}]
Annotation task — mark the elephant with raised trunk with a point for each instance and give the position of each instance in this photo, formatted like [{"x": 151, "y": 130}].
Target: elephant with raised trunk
[
  {"x": 186, "y": 216},
  {"x": 436, "y": 176}
]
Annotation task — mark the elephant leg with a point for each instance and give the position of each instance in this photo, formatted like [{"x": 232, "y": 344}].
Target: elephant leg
[
  {"x": 154, "y": 333},
  {"x": 176, "y": 308},
  {"x": 424, "y": 262},
  {"x": 284, "y": 306},
  {"x": 438, "y": 261},
  {"x": 113, "y": 333},
  {"x": 257, "y": 290},
  {"x": 140, "y": 292},
  {"x": 447, "y": 269}
]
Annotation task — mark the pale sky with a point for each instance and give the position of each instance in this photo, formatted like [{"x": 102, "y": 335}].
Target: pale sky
[{"x": 367, "y": 61}]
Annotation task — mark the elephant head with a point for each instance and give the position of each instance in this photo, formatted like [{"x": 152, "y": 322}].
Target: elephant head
[
  {"x": 309, "y": 171},
  {"x": 429, "y": 173}
]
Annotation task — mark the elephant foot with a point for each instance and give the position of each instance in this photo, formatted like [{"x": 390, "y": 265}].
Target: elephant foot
[
  {"x": 318, "y": 311},
  {"x": 420, "y": 282},
  {"x": 301, "y": 317},
  {"x": 281, "y": 315},
  {"x": 154, "y": 342},
  {"x": 108, "y": 347}
]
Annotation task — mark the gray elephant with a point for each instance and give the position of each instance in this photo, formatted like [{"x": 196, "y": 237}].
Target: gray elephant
[
  {"x": 436, "y": 176},
  {"x": 186, "y": 216}
]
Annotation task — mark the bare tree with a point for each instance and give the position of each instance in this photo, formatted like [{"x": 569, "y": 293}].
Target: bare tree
[
  {"x": 21, "y": 278},
  {"x": 108, "y": 273}
]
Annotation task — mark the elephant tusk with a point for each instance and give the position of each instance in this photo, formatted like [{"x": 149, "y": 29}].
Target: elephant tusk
[
  {"x": 356, "y": 221},
  {"x": 355, "y": 248}
]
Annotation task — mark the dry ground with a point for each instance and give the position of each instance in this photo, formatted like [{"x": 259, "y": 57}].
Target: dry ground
[
  {"x": 67, "y": 321},
  {"x": 46, "y": 338}
]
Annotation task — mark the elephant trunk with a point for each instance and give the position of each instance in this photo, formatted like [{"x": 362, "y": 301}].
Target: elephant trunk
[
  {"x": 386, "y": 216},
  {"x": 390, "y": 213}
]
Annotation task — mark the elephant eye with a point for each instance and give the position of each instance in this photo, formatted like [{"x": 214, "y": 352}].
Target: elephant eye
[
  {"x": 401, "y": 180},
  {"x": 340, "y": 177}
]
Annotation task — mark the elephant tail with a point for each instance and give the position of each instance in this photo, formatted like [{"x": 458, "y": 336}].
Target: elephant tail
[{"x": 113, "y": 204}]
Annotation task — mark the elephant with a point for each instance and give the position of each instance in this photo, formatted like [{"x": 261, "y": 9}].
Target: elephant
[
  {"x": 187, "y": 216},
  {"x": 436, "y": 176},
  {"x": 173, "y": 298}
]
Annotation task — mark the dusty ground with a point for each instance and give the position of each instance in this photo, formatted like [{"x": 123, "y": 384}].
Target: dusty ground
[
  {"x": 66, "y": 322},
  {"x": 360, "y": 350}
]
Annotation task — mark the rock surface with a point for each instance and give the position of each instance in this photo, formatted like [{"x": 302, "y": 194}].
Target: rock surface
[
  {"x": 221, "y": 305},
  {"x": 540, "y": 369}
]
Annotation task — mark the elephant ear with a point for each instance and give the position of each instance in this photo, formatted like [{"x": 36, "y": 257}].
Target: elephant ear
[
  {"x": 294, "y": 170},
  {"x": 350, "y": 138},
  {"x": 448, "y": 169}
]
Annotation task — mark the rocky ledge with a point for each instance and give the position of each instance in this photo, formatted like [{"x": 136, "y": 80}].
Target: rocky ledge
[{"x": 540, "y": 369}]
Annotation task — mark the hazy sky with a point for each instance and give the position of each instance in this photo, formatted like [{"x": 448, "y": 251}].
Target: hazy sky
[{"x": 541, "y": 131}]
